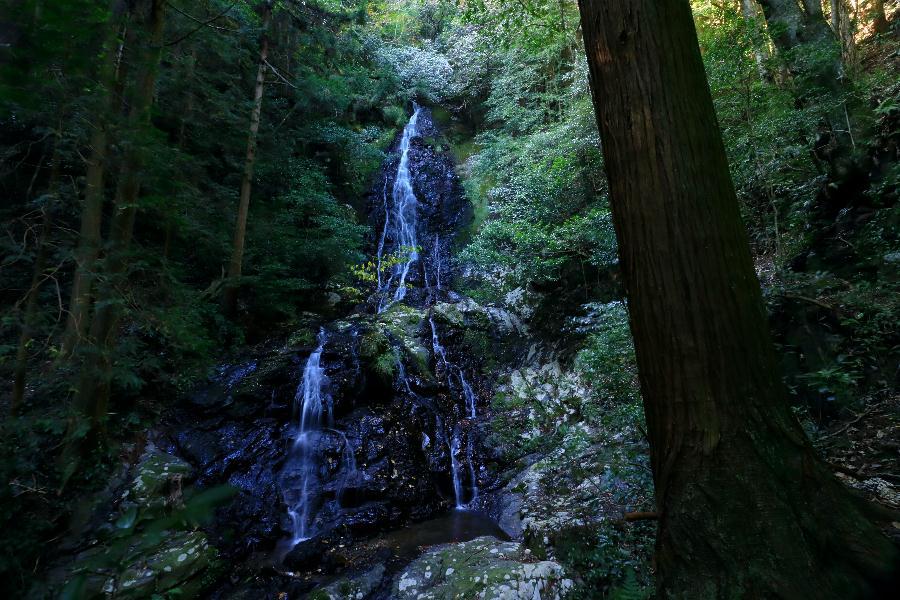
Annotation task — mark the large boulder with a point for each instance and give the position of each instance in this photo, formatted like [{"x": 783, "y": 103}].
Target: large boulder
[{"x": 481, "y": 568}]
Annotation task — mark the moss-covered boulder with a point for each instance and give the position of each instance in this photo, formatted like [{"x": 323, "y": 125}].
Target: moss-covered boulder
[
  {"x": 481, "y": 568},
  {"x": 158, "y": 480},
  {"x": 407, "y": 326},
  {"x": 176, "y": 563}
]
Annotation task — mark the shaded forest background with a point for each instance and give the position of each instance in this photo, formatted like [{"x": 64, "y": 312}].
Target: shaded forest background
[{"x": 142, "y": 110}]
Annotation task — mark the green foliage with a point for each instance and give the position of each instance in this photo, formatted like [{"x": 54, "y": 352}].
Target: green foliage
[
  {"x": 630, "y": 589},
  {"x": 607, "y": 359},
  {"x": 330, "y": 109},
  {"x": 369, "y": 271}
]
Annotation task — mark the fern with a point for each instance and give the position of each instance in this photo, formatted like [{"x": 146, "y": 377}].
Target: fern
[{"x": 630, "y": 589}]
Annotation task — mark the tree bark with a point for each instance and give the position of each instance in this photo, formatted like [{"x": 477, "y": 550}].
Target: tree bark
[
  {"x": 752, "y": 15},
  {"x": 843, "y": 24},
  {"x": 235, "y": 266},
  {"x": 94, "y": 383},
  {"x": 746, "y": 509},
  {"x": 879, "y": 18},
  {"x": 90, "y": 235}
]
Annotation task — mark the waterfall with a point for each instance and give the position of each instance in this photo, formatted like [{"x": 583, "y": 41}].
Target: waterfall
[
  {"x": 470, "y": 452},
  {"x": 400, "y": 220},
  {"x": 348, "y": 462},
  {"x": 468, "y": 393},
  {"x": 454, "y": 469},
  {"x": 441, "y": 353},
  {"x": 458, "y": 489},
  {"x": 300, "y": 477}
]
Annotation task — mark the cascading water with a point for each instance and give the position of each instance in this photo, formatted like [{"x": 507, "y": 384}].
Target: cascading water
[
  {"x": 300, "y": 477},
  {"x": 400, "y": 222},
  {"x": 348, "y": 461},
  {"x": 454, "y": 469},
  {"x": 441, "y": 354}
]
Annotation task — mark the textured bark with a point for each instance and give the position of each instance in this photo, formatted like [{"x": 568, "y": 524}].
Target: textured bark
[
  {"x": 844, "y": 26},
  {"x": 753, "y": 15},
  {"x": 90, "y": 234},
  {"x": 93, "y": 387},
  {"x": 235, "y": 266},
  {"x": 879, "y": 19},
  {"x": 746, "y": 509}
]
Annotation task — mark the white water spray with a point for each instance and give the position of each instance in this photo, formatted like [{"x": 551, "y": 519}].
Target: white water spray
[
  {"x": 400, "y": 220},
  {"x": 313, "y": 401}
]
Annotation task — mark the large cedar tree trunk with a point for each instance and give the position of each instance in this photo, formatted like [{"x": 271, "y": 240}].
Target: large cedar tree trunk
[
  {"x": 746, "y": 508},
  {"x": 229, "y": 295}
]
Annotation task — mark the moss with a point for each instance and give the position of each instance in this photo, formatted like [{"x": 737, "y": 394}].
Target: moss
[
  {"x": 405, "y": 324},
  {"x": 385, "y": 366},
  {"x": 479, "y": 345},
  {"x": 305, "y": 336},
  {"x": 375, "y": 349}
]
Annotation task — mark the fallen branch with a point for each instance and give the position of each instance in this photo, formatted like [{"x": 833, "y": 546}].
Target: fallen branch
[
  {"x": 846, "y": 426},
  {"x": 641, "y": 516}
]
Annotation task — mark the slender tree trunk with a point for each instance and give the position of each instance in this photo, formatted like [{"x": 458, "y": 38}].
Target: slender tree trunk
[
  {"x": 229, "y": 296},
  {"x": 40, "y": 262},
  {"x": 879, "y": 18},
  {"x": 90, "y": 235},
  {"x": 94, "y": 383},
  {"x": 753, "y": 15},
  {"x": 182, "y": 142},
  {"x": 843, "y": 25},
  {"x": 746, "y": 509}
]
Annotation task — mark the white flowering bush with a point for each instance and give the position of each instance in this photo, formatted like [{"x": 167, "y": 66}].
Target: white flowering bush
[{"x": 423, "y": 72}]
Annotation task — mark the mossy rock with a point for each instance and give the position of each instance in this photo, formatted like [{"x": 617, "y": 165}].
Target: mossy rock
[
  {"x": 174, "y": 563},
  {"x": 375, "y": 349},
  {"x": 159, "y": 475},
  {"x": 406, "y": 325},
  {"x": 481, "y": 568},
  {"x": 465, "y": 314},
  {"x": 303, "y": 337}
]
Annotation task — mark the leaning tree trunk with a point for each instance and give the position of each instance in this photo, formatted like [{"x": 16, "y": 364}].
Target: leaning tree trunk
[
  {"x": 94, "y": 383},
  {"x": 746, "y": 509},
  {"x": 235, "y": 266}
]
